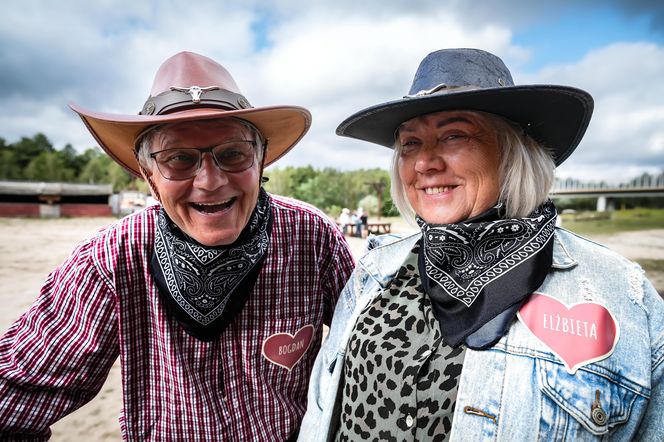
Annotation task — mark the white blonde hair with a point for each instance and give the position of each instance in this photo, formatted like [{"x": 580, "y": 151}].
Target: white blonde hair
[{"x": 526, "y": 172}]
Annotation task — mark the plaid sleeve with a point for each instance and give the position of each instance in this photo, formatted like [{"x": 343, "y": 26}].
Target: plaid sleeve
[
  {"x": 338, "y": 271},
  {"x": 56, "y": 356}
]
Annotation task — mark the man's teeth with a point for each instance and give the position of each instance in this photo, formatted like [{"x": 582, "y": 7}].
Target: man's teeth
[
  {"x": 435, "y": 190},
  {"x": 215, "y": 204},
  {"x": 213, "y": 207}
]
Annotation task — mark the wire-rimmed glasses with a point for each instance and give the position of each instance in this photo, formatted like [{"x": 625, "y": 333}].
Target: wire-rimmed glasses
[{"x": 183, "y": 163}]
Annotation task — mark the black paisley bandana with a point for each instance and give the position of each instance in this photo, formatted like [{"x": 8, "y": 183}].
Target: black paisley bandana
[
  {"x": 478, "y": 272},
  {"x": 206, "y": 287}
]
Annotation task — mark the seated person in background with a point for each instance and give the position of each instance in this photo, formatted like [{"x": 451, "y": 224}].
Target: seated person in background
[{"x": 344, "y": 219}]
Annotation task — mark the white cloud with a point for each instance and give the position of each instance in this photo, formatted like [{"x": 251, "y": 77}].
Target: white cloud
[
  {"x": 628, "y": 123},
  {"x": 338, "y": 64},
  {"x": 333, "y": 58}
]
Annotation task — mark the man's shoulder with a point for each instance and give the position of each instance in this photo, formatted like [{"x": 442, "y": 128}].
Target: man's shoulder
[
  {"x": 294, "y": 207},
  {"x": 137, "y": 227}
]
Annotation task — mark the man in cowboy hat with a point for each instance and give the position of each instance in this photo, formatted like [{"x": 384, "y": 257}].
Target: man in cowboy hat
[{"x": 214, "y": 300}]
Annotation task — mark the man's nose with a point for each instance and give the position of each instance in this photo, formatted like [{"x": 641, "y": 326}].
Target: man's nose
[{"x": 209, "y": 176}]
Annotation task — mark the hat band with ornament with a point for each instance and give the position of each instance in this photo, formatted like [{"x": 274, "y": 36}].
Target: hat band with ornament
[{"x": 184, "y": 98}]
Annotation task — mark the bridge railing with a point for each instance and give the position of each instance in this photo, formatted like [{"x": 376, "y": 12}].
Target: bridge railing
[{"x": 644, "y": 182}]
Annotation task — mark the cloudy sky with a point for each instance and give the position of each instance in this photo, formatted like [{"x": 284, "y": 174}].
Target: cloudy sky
[{"x": 335, "y": 58}]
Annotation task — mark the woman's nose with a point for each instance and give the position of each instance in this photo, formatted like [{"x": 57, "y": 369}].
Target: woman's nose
[
  {"x": 209, "y": 176},
  {"x": 429, "y": 158}
]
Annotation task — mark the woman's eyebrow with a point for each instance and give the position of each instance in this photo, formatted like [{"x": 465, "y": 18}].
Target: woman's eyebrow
[
  {"x": 440, "y": 123},
  {"x": 451, "y": 120}
]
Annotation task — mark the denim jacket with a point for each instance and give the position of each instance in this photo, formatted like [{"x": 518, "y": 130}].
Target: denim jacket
[{"x": 519, "y": 389}]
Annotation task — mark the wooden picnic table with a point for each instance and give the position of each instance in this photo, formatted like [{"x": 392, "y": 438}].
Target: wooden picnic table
[
  {"x": 378, "y": 228},
  {"x": 375, "y": 228}
]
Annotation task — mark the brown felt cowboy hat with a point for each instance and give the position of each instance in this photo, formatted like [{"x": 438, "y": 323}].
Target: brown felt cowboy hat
[
  {"x": 190, "y": 87},
  {"x": 472, "y": 79}
]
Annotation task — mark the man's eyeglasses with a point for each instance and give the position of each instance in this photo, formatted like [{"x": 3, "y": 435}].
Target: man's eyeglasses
[{"x": 181, "y": 164}]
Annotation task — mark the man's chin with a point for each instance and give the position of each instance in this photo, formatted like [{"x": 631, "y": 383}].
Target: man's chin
[{"x": 222, "y": 239}]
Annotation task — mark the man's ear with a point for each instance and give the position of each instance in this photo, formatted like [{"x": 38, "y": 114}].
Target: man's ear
[{"x": 147, "y": 176}]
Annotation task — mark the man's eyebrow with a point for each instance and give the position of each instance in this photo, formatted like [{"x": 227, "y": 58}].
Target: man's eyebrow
[{"x": 441, "y": 123}]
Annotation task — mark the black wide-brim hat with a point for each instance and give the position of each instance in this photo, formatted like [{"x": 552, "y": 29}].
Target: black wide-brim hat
[{"x": 474, "y": 80}]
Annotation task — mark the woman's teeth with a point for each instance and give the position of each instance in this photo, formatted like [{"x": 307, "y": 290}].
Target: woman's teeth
[{"x": 435, "y": 190}]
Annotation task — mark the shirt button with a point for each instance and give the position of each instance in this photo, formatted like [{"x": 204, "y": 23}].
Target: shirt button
[
  {"x": 426, "y": 354},
  {"x": 409, "y": 421}
]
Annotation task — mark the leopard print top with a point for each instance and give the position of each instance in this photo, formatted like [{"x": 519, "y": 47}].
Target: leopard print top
[{"x": 399, "y": 380}]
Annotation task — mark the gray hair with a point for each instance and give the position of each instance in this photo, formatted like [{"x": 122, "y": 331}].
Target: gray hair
[
  {"x": 146, "y": 140},
  {"x": 527, "y": 170}
]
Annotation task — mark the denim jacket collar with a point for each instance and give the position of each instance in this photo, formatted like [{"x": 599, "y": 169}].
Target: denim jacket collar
[
  {"x": 562, "y": 259},
  {"x": 386, "y": 255}
]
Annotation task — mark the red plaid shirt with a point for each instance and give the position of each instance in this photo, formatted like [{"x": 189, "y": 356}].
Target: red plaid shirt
[{"x": 102, "y": 302}]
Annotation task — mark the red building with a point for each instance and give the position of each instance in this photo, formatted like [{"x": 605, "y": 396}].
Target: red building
[{"x": 52, "y": 200}]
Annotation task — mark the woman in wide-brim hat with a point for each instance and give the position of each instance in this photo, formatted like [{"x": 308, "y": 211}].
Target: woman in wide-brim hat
[
  {"x": 489, "y": 323},
  {"x": 214, "y": 299}
]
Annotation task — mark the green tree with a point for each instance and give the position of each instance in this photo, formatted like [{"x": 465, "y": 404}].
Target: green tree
[
  {"x": 280, "y": 181},
  {"x": 370, "y": 204},
  {"x": 96, "y": 168},
  {"x": 9, "y": 168},
  {"x": 48, "y": 166},
  {"x": 27, "y": 149},
  {"x": 119, "y": 177},
  {"x": 331, "y": 189},
  {"x": 101, "y": 169},
  {"x": 72, "y": 159}
]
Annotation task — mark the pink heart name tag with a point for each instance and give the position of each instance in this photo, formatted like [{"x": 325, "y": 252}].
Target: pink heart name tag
[
  {"x": 286, "y": 350},
  {"x": 583, "y": 333}
]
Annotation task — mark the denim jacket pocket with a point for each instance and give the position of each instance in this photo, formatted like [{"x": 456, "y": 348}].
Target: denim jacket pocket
[{"x": 583, "y": 406}]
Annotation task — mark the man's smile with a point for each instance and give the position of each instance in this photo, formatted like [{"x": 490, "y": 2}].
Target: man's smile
[{"x": 213, "y": 207}]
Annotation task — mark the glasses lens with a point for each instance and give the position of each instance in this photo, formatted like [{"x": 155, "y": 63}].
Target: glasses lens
[
  {"x": 235, "y": 156},
  {"x": 182, "y": 164},
  {"x": 178, "y": 164}
]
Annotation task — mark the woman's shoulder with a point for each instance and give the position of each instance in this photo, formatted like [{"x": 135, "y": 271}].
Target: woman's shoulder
[
  {"x": 385, "y": 254},
  {"x": 599, "y": 269},
  {"x": 579, "y": 247}
]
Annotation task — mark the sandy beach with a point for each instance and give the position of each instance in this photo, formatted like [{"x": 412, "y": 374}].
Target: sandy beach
[{"x": 31, "y": 248}]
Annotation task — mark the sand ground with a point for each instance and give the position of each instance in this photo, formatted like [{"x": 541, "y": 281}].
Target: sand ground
[{"x": 30, "y": 249}]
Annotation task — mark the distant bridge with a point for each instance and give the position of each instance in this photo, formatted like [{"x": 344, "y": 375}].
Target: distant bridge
[{"x": 644, "y": 186}]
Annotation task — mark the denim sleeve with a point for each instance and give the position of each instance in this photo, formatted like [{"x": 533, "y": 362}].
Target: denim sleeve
[
  {"x": 652, "y": 425},
  {"x": 324, "y": 377}
]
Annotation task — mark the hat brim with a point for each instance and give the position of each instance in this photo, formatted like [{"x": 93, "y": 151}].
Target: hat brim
[
  {"x": 282, "y": 126},
  {"x": 555, "y": 116}
]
